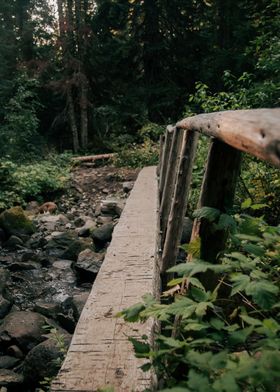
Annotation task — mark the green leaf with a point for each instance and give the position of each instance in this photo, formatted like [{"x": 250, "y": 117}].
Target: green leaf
[
  {"x": 239, "y": 281},
  {"x": 217, "y": 323},
  {"x": 226, "y": 222},
  {"x": 258, "y": 206},
  {"x": 193, "y": 248},
  {"x": 198, "y": 294},
  {"x": 250, "y": 320},
  {"x": 202, "y": 307},
  {"x": 255, "y": 250},
  {"x": 132, "y": 313},
  {"x": 211, "y": 214},
  {"x": 264, "y": 293},
  {"x": 198, "y": 382},
  {"x": 196, "y": 282},
  {"x": 141, "y": 349},
  {"x": 240, "y": 336},
  {"x": 146, "y": 367},
  {"x": 246, "y": 204},
  {"x": 226, "y": 383}
]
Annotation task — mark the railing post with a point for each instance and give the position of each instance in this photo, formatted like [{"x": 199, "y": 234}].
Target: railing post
[
  {"x": 165, "y": 158},
  {"x": 179, "y": 202},
  {"x": 168, "y": 189},
  {"x": 217, "y": 191}
]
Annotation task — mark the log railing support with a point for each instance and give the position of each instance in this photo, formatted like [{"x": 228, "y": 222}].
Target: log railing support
[{"x": 165, "y": 158}]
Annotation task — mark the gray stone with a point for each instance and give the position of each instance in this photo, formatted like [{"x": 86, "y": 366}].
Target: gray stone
[
  {"x": 19, "y": 266},
  {"x": 112, "y": 207},
  {"x": 102, "y": 235},
  {"x": 47, "y": 309},
  {"x": 89, "y": 262},
  {"x": 4, "y": 277},
  {"x": 5, "y": 307},
  {"x": 15, "y": 351},
  {"x": 8, "y": 362},
  {"x": 66, "y": 245},
  {"x": 14, "y": 243},
  {"x": 87, "y": 229},
  {"x": 52, "y": 222},
  {"x": 24, "y": 328},
  {"x": 78, "y": 222},
  {"x": 44, "y": 360},
  {"x": 79, "y": 301},
  {"x": 103, "y": 219},
  {"x": 127, "y": 186},
  {"x": 10, "y": 379}
]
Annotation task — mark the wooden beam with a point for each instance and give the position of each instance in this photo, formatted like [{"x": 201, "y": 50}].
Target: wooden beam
[
  {"x": 256, "y": 131},
  {"x": 165, "y": 158},
  {"x": 179, "y": 202}
]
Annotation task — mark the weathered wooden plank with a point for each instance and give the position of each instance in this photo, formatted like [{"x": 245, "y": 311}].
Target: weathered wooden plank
[
  {"x": 256, "y": 131},
  {"x": 179, "y": 203},
  {"x": 100, "y": 354},
  {"x": 93, "y": 158},
  {"x": 217, "y": 191},
  {"x": 168, "y": 189},
  {"x": 165, "y": 158}
]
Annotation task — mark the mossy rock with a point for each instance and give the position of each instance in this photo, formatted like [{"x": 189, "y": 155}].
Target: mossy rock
[{"x": 15, "y": 222}]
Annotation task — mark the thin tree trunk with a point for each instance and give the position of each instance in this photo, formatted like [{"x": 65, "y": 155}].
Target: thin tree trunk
[
  {"x": 84, "y": 113},
  {"x": 72, "y": 122}
]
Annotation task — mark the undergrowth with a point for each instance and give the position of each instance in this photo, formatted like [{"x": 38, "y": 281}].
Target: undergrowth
[
  {"x": 34, "y": 181},
  {"x": 225, "y": 339}
]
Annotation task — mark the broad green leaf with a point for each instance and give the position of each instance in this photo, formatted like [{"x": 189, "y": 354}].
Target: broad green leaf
[
  {"x": 250, "y": 320},
  {"x": 132, "y": 313},
  {"x": 211, "y": 214},
  {"x": 174, "y": 282},
  {"x": 198, "y": 294},
  {"x": 240, "y": 336},
  {"x": 226, "y": 383},
  {"x": 264, "y": 293},
  {"x": 193, "y": 248},
  {"x": 258, "y": 206},
  {"x": 198, "y": 382},
  {"x": 226, "y": 222},
  {"x": 195, "y": 282},
  {"x": 246, "y": 204},
  {"x": 141, "y": 349},
  {"x": 201, "y": 308},
  {"x": 255, "y": 250},
  {"x": 239, "y": 282},
  {"x": 195, "y": 326},
  {"x": 217, "y": 323}
]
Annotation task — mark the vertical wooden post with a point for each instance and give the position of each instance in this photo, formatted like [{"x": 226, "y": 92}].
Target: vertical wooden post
[
  {"x": 161, "y": 147},
  {"x": 217, "y": 191},
  {"x": 168, "y": 189},
  {"x": 179, "y": 202},
  {"x": 165, "y": 158}
]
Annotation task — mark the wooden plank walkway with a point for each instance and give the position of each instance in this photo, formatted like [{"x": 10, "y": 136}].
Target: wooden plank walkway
[{"x": 100, "y": 354}]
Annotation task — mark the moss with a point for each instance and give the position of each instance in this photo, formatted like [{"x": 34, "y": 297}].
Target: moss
[{"x": 15, "y": 222}]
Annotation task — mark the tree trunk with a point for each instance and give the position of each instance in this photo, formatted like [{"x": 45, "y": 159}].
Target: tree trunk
[
  {"x": 72, "y": 121},
  {"x": 84, "y": 114}
]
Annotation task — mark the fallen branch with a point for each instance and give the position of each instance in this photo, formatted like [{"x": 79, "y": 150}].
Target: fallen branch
[{"x": 93, "y": 158}]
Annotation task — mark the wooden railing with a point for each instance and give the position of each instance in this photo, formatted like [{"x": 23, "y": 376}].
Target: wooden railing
[{"x": 256, "y": 132}]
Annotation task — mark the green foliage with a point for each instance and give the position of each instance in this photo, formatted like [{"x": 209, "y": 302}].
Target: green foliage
[
  {"x": 19, "y": 130},
  {"x": 226, "y": 339},
  {"x": 135, "y": 156},
  {"x": 20, "y": 183}
]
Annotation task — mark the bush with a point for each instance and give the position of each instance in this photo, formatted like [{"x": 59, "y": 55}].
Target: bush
[
  {"x": 137, "y": 156},
  {"x": 21, "y": 183},
  {"x": 226, "y": 339}
]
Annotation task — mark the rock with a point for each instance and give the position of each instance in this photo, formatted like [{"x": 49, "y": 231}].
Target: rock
[
  {"x": 19, "y": 266},
  {"x": 5, "y": 307},
  {"x": 187, "y": 230},
  {"x": 24, "y": 328},
  {"x": 3, "y": 236},
  {"x": 87, "y": 229},
  {"x": 75, "y": 248},
  {"x": 7, "y": 362},
  {"x": 78, "y": 222},
  {"x": 67, "y": 322},
  {"x": 127, "y": 186},
  {"x": 102, "y": 235},
  {"x": 49, "y": 206},
  {"x": 47, "y": 309},
  {"x": 88, "y": 264},
  {"x": 79, "y": 301},
  {"x": 32, "y": 208},
  {"x": 66, "y": 245},
  {"x": 44, "y": 360},
  {"x": 4, "y": 277},
  {"x": 53, "y": 222},
  {"x": 36, "y": 241},
  {"x": 102, "y": 220},
  {"x": 112, "y": 207},
  {"x": 15, "y": 351},
  {"x": 29, "y": 255},
  {"x": 10, "y": 379},
  {"x": 15, "y": 222},
  {"x": 13, "y": 243}
]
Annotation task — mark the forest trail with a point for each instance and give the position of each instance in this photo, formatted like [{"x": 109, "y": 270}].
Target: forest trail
[{"x": 100, "y": 354}]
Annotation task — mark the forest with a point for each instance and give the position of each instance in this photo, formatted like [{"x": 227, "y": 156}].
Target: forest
[{"x": 83, "y": 78}]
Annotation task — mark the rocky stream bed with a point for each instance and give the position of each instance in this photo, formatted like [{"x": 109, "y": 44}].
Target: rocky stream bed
[{"x": 48, "y": 262}]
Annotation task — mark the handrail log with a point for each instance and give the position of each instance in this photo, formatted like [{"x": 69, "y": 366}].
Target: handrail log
[{"x": 255, "y": 131}]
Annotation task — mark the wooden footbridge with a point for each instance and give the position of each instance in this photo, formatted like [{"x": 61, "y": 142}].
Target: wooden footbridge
[{"x": 145, "y": 242}]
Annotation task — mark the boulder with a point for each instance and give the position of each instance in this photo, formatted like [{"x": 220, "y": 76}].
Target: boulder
[
  {"x": 5, "y": 307},
  {"x": 87, "y": 228},
  {"x": 3, "y": 236},
  {"x": 4, "y": 277},
  {"x": 52, "y": 222},
  {"x": 8, "y": 362},
  {"x": 13, "y": 381},
  {"x": 88, "y": 264},
  {"x": 13, "y": 243},
  {"x": 127, "y": 186},
  {"x": 102, "y": 235},
  {"x": 66, "y": 245},
  {"x": 47, "y": 309},
  {"x": 112, "y": 207},
  {"x": 79, "y": 301},
  {"x": 103, "y": 219},
  {"x": 15, "y": 222},
  {"x": 45, "y": 359},
  {"x": 23, "y": 328}
]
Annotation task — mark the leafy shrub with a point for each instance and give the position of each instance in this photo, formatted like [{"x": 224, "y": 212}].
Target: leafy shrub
[
  {"x": 136, "y": 156},
  {"x": 20, "y": 183},
  {"x": 226, "y": 339}
]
